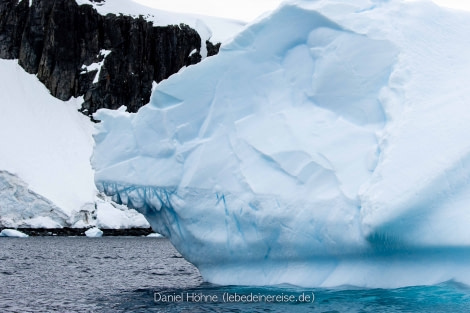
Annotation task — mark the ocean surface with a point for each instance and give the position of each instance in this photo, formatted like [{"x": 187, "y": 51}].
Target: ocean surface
[{"x": 139, "y": 274}]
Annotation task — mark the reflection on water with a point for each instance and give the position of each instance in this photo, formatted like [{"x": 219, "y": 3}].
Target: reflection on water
[
  {"x": 448, "y": 297},
  {"x": 138, "y": 274}
]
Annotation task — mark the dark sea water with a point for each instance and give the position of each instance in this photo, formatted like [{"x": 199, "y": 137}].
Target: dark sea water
[{"x": 139, "y": 274}]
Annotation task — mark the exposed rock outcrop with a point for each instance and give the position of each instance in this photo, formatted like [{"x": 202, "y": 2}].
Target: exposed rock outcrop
[
  {"x": 58, "y": 40},
  {"x": 211, "y": 48}
]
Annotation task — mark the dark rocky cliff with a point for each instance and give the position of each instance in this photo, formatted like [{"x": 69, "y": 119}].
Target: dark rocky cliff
[{"x": 56, "y": 38}]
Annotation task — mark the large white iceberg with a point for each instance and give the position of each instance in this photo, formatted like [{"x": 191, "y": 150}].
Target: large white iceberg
[{"x": 327, "y": 144}]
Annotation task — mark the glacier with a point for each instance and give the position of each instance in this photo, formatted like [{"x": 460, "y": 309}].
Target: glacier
[{"x": 325, "y": 145}]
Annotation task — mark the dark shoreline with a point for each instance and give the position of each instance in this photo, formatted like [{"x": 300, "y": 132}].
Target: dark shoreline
[{"x": 68, "y": 231}]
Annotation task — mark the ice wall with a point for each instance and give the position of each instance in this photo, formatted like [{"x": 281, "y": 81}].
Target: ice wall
[{"x": 325, "y": 145}]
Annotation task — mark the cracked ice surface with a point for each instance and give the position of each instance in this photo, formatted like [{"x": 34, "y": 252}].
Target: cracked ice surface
[{"x": 325, "y": 145}]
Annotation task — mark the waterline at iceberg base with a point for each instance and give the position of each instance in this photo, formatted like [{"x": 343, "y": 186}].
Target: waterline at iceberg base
[
  {"x": 325, "y": 145},
  {"x": 232, "y": 246}
]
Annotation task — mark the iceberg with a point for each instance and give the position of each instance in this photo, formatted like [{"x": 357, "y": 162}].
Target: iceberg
[
  {"x": 155, "y": 235},
  {"x": 12, "y": 233},
  {"x": 325, "y": 145},
  {"x": 94, "y": 232}
]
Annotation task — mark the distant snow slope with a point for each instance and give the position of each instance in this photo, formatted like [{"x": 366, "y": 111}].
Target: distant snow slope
[
  {"x": 45, "y": 141},
  {"x": 326, "y": 145},
  {"x": 45, "y": 146}
]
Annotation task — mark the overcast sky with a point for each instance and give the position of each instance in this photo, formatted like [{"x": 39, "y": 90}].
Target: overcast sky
[{"x": 245, "y": 10}]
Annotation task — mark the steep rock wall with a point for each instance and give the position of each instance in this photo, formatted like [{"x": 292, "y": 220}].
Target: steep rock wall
[{"x": 55, "y": 39}]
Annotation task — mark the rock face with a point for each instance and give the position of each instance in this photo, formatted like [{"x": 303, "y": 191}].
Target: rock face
[
  {"x": 211, "y": 48},
  {"x": 58, "y": 40}
]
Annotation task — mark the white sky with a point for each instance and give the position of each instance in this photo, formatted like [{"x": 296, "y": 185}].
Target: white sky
[{"x": 245, "y": 10}]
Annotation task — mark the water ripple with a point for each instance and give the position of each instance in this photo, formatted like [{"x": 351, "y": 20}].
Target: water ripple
[{"x": 124, "y": 274}]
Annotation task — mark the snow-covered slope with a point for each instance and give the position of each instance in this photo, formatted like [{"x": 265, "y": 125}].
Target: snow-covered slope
[
  {"x": 46, "y": 179},
  {"x": 44, "y": 140},
  {"x": 325, "y": 145}
]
